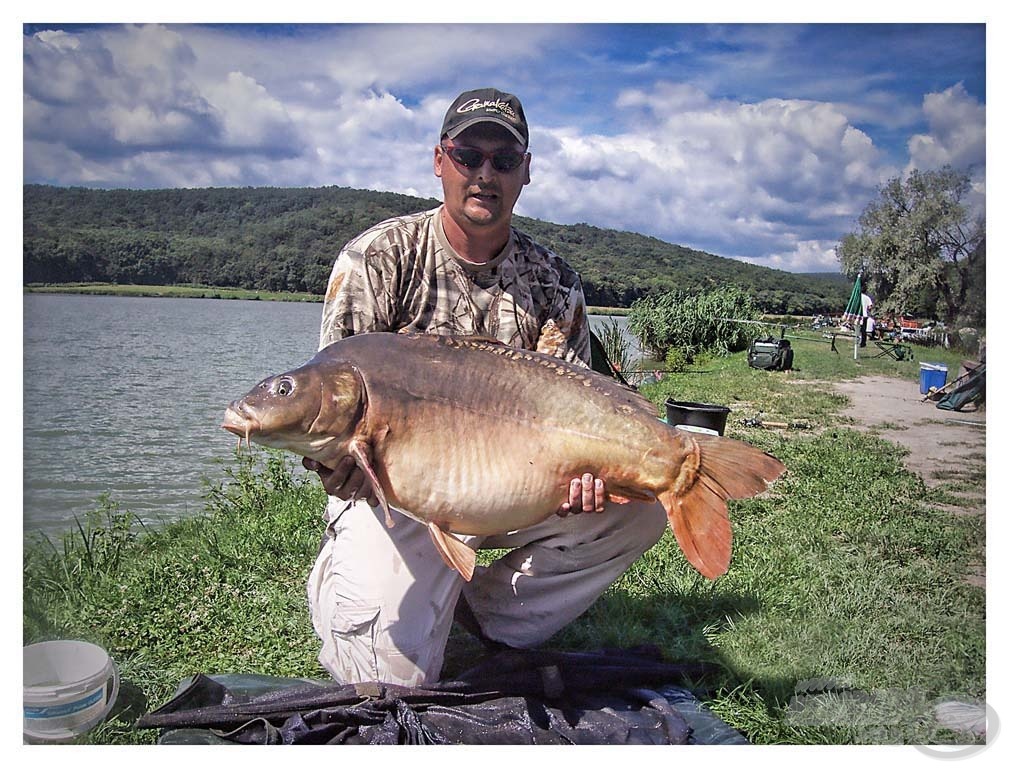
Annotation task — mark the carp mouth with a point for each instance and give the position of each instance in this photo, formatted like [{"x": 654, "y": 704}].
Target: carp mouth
[{"x": 239, "y": 422}]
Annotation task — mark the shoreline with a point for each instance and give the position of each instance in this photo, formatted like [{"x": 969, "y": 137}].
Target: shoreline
[
  {"x": 208, "y": 292},
  {"x": 169, "y": 291}
]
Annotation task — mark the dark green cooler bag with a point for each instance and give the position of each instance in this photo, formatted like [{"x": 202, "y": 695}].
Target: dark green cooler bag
[{"x": 770, "y": 354}]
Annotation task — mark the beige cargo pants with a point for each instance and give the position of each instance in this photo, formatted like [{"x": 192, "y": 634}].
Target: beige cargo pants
[{"x": 382, "y": 599}]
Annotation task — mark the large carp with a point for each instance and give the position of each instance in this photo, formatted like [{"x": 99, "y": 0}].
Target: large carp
[{"x": 470, "y": 436}]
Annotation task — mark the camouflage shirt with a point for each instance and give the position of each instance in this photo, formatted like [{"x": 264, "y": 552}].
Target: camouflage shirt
[{"x": 402, "y": 274}]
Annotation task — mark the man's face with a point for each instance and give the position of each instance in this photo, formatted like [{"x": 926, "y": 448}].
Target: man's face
[{"x": 484, "y": 196}]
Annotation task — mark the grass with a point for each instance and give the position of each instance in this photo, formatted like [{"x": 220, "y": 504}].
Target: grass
[
  {"x": 220, "y": 592},
  {"x": 844, "y": 616}
]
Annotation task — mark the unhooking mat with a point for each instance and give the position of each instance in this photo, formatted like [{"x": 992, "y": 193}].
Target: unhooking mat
[{"x": 515, "y": 697}]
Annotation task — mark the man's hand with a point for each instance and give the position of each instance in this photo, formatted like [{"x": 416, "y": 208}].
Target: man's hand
[
  {"x": 585, "y": 494},
  {"x": 345, "y": 480}
]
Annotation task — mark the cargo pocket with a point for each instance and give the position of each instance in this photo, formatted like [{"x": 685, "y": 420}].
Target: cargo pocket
[{"x": 354, "y": 632}]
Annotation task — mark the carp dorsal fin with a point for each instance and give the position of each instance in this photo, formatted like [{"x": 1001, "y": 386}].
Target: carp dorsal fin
[
  {"x": 455, "y": 554},
  {"x": 361, "y": 452},
  {"x": 450, "y": 338}
]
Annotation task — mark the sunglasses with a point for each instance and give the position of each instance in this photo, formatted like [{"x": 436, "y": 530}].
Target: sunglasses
[{"x": 503, "y": 161}]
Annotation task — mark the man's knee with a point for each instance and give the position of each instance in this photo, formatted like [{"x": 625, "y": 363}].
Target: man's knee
[
  {"x": 377, "y": 626},
  {"x": 357, "y": 646}
]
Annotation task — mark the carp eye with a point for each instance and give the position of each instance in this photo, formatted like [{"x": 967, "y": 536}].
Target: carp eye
[{"x": 284, "y": 387}]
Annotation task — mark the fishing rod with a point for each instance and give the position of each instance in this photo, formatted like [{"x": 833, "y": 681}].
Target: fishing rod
[
  {"x": 751, "y": 322},
  {"x": 782, "y": 326}
]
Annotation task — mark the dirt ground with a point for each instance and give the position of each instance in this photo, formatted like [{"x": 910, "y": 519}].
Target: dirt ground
[{"x": 942, "y": 444}]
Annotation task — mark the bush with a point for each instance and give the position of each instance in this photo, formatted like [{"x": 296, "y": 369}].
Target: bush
[
  {"x": 694, "y": 323},
  {"x": 676, "y": 360}
]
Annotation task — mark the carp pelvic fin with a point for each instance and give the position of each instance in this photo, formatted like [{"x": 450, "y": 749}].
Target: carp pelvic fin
[
  {"x": 627, "y": 495},
  {"x": 455, "y": 554},
  {"x": 362, "y": 455}
]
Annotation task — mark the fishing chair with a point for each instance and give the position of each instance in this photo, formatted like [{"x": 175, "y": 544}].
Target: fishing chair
[{"x": 893, "y": 350}]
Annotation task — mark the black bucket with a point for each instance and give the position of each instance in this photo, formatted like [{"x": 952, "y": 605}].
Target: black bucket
[{"x": 697, "y": 417}]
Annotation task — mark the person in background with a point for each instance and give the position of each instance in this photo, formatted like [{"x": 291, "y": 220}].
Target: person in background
[
  {"x": 866, "y": 314},
  {"x": 382, "y": 601}
]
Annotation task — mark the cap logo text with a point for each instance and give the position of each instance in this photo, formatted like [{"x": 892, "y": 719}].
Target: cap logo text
[{"x": 498, "y": 106}]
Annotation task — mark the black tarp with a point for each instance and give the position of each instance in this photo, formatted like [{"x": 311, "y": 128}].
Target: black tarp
[{"x": 515, "y": 697}]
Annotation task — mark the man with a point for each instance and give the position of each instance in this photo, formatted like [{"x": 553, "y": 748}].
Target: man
[
  {"x": 866, "y": 312},
  {"x": 381, "y": 599}
]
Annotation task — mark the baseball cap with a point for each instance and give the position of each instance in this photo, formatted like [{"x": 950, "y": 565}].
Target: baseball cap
[{"x": 486, "y": 105}]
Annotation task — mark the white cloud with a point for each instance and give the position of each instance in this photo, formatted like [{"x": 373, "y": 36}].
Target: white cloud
[
  {"x": 61, "y": 68},
  {"x": 113, "y": 93},
  {"x": 956, "y": 136},
  {"x": 805, "y": 256},
  {"x": 319, "y": 103},
  {"x": 747, "y": 179},
  {"x": 249, "y": 116}
]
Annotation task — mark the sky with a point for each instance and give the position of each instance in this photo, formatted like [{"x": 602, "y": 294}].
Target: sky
[{"x": 757, "y": 141}]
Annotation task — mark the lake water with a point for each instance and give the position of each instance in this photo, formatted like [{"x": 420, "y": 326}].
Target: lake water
[{"x": 125, "y": 396}]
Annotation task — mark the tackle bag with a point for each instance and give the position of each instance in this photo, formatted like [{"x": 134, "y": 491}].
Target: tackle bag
[{"x": 770, "y": 354}]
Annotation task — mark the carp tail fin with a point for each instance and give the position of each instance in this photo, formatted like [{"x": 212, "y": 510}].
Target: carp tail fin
[
  {"x": 737, "y": 468},
  {"x": 455, "y": 554},
  {"x": 717, "y": 469},
  {"x": 700, "y": 522}
]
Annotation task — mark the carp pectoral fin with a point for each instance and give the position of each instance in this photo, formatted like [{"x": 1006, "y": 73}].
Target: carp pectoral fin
[
  {"x": 700, "y": 522},
  {"x": 455, "y": 554},
  {"x": 362, "y": 455}
]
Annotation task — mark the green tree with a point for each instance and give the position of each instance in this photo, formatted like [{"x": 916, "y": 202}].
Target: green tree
[{"x": 918, "y": 247}]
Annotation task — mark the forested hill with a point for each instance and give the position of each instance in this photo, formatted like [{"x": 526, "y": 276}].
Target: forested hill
[{"x": 286, "y": 239}]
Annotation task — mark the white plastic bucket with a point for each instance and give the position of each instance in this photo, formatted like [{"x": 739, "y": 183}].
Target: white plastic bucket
[{"x": 69, "y": 687}]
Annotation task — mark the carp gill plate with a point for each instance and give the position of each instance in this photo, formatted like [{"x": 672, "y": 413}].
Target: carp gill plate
[{"x": 470, "y": 436}]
